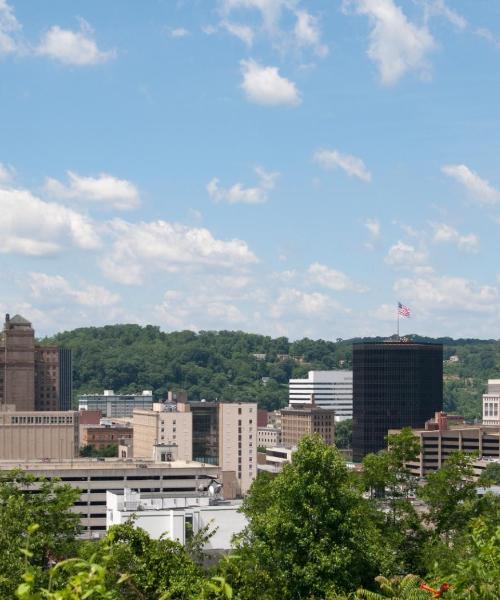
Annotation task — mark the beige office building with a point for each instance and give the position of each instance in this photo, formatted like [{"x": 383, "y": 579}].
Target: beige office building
[
  {"x": 306, "y": 420},
  {"x": 441, "y": 438},
  {"x": 163, "y": 425},
  {"x": 94, "y": 477},
  {"x": 38, "y": 435}
]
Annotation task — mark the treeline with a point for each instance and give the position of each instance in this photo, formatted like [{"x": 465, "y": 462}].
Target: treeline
[
  {"x": 316, "y": 531},
  {"x": 233, "y": 365}
]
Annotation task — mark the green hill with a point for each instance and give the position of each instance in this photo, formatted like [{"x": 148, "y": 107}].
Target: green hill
[{"x": 229, "y": 364}]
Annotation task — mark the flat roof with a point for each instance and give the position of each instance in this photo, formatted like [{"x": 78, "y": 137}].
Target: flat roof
[{"x": 106, "y": 464}]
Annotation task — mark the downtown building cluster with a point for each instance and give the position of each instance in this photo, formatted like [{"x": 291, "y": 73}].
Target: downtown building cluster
[{"x": 191, "y": 461}]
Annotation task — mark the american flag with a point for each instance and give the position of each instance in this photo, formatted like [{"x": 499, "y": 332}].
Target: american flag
[{"x": 403, "y": 311}]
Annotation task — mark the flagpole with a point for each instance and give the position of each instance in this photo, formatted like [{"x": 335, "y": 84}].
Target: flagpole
[{"x": 397, "y": 312}]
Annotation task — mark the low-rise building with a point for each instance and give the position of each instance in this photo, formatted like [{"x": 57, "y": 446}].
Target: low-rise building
[
  {"x": 437, "y": 443},
  {"x": 95, "y": 477},
  {"x": 276, "y": 459},
  {"x": 116, "y": 405},
  {"x": 296, "y": 422},
  {"x": 26, "y": 435},
  {"x": 268, "y": 437},
  {"x": 178, "y": 515},
  {"x": 104, "y": 436}
]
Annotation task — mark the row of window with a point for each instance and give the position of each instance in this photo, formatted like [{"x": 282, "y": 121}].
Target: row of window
[{"x": 45, "y": 420}]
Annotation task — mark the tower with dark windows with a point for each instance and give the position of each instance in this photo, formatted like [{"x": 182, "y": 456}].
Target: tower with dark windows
[{"x": 395, "y": 384}]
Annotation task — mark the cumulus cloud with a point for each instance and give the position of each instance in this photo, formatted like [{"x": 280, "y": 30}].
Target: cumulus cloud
[
  {"x": 36, "y": 228},
  {"x": 489, "y": 36},
  {"x": 239, "y": 194},
  {"x": 431, "y": 292},
  {"x": 480, "y": 188},
  {"x": 292, "y": 301},
  {"x": 447, "y": 234},
  {"x": 352, "y": 165},
  {"x": 56, "y": 286},
  {"x": 77, "y": 48},
  {"x": 405, "y": 255},
  {"x": 171, "y": 247},
  {"x": 103, "y": 189},
  {"x": 332, "y": 279},
  {"x": 396, "y": 45},
  {"x": 264, "y": 85}
]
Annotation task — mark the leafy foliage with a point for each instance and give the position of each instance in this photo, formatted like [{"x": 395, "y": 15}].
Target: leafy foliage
[
  {"x": 221, "y": 364},
  {"x": 26, "y": 501}
]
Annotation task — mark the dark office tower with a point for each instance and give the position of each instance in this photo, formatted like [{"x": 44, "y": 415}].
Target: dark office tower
[
  {"x": 395, "y": 384},
  {"x": 65, "y": 379}
]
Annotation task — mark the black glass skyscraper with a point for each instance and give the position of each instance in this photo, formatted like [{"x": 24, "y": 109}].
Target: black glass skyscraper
[
  {"x": 65, "y": 379},
  {"x": 395, "y": 384}
]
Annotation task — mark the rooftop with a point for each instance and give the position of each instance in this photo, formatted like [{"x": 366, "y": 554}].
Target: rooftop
[{"x": 100, "y": 464}]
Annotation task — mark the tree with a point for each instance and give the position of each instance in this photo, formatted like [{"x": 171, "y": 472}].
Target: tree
[
  {"x": 26, "y": 501},
  {"x": 491, "y": 475},
  {"x": 310, "y": 531},
  {"x": 450, "y": 493},
  {"x": 343, "y": 434}
]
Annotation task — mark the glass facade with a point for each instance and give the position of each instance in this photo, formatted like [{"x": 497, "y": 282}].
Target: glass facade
[
  {"x": 395, "y": 384},
  {"x": 205, "y": 432}
]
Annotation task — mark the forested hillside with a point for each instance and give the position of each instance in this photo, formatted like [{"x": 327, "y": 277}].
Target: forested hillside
[{"x": 230, "y": 364}]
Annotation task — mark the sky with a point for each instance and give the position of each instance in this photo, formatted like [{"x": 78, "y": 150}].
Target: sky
[{"x": 285, "y": 167}]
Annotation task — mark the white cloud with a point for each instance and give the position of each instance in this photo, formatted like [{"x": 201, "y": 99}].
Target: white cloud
[
  {"x": 432, "y": 293},
  {"x": 57, "y": 287},
  {"x": 6, "y": 173},
  {"x": 448, "y": 234},
  {"x": 178, "y": 32},
  {"x": 405, "y": 255},
  {"x": 265, "y": 85},
  {"x": 396, "y": 45},
  {"x": 170, "y": 247},
  {"x": 489, "y": 36},
  {"x": 332, "y": 279},
  {"x": 352, "y": 165},
  {"x": 307, "y": 32},
  {"x": 310, "y": 304},
  {"x": 242, "y": 32},
  {"x": 239, "y": 194},
  {"x": 8, "y": 28},
  {"x": 373, "y": 226},
  {"x": 33, "y": 227},
  {"x": 276, "y": 17},
  {"x": 104, "y": 189},
  {"x": 270, "y": 10},
  {"x": 73, "y": 47},
  {"x": 479, "y": 188},
  {"x": 438, "y": 8}
]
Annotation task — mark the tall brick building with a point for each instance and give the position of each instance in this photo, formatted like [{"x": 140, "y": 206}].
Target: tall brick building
[{"x": 32, "y": 377}]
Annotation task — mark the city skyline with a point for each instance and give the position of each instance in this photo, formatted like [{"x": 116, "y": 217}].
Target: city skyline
[{"x": 274, "y": 166}]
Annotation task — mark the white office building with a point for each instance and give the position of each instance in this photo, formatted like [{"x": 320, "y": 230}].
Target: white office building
[
  {"x": 491, "y": 403},
  {"x": 175, "y": 516},
  {"x": 331, "y": 390},
  {"x": 116, "y": 405}
]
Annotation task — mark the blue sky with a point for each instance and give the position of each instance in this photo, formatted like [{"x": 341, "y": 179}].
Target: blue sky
[{"x": 277, "y": 166}]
